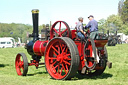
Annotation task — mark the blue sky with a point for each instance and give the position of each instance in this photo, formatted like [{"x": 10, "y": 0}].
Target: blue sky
[{"x": 19, "y": 11}]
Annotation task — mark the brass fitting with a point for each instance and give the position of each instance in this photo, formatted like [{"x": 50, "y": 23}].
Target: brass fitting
[{"x": 34, "y": 11}]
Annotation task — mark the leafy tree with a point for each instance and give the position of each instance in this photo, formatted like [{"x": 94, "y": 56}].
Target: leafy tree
[
  {"x": 15, "y": 30},
  {"x": 113, "y": 23},
  {"x": 124, "y": 14},
  {"x": 101, "y": 24},
  {"x": 120, "y": 6}
]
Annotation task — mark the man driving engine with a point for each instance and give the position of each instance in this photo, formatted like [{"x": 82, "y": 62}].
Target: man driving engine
[{"x": 93, "y": 26}]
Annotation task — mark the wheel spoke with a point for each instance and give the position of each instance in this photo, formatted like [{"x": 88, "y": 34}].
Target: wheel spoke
[
  {"x": 64, "y": 49},
  {"x": 58, "y": 68},
  {"x": 64, "y": 68},
  {"x": 54, "y": 53},
  {"x": 52, "y": 58},
  {"x": 61, "y": 46},
  {"x": 61, "y": 71},
  {"x": 64, "y": 31},
  {"x": 17, "y": 64},
  {"x": 67, "y": 68},
  {"x": 68, "y": 58},
  {"x": 60, "y": 28},
  {"x": 55, "y": 49},
  {"x": 67, "y": 55},
  {"x": 21, "y": 64},
  {"x": 58, "y": 48},
  {"x": 55, "y": 67},
  {"x": 66, "y": 62},
  {"x": 19, "y": 60},
  {"x": 55, "y": 31},
  {"x": 53, "y": 63},
  {"x": 54, "y": 70},
  {"x": 22, "y": 68}
]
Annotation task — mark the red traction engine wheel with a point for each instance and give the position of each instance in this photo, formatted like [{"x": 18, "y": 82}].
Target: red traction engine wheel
[
  {"x": 90, "y": 53},
  {"x": 21, "y": 64},
  {"x": 61, "y": 58},
  {"x": 60, "y": 29}
]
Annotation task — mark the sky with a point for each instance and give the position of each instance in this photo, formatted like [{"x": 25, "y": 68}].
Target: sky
[{"x": 19, "y": 11}]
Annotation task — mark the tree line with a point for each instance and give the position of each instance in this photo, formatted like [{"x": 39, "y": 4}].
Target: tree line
[{"x": 17, "y": 30}]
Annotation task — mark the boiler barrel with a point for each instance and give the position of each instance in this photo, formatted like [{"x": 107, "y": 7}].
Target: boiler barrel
[{"x": 39, "y": 47}]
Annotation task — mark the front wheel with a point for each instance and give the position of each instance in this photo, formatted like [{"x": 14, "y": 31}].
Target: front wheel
[{"x": 21, "y": 64}]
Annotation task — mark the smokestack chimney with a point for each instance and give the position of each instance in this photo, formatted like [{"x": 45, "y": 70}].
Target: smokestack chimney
[{"x": 35, "y": 13}]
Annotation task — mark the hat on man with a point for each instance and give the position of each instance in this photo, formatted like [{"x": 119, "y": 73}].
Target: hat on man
[
  {"x": 80, "y": 18},
  {"x": 91, "y": 16}
]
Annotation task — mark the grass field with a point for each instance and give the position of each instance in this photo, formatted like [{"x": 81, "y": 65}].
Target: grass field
[{"x": 118, "y": 75}]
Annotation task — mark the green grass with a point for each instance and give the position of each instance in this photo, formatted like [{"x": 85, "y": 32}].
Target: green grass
[{"x": 118, "y": 75}]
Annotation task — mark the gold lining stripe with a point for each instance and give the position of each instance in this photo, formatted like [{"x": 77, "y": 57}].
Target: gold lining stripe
[
  {"x": 40, "y": 48},
  {"x": 33, "y": 49}
]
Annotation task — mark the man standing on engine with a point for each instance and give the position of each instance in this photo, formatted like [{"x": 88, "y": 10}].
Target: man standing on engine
[{"x": 93, "y": 25}]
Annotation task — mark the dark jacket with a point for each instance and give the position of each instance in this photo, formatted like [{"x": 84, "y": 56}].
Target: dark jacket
[{"x": 93, "y": 25}]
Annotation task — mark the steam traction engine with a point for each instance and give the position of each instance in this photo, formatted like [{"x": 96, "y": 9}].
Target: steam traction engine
[{"x": 63, "y": 52}]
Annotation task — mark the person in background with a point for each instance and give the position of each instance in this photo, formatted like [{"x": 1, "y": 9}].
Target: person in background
[
  {"x": 93, "y": 26},
  {"x": 80, "y": 29}
]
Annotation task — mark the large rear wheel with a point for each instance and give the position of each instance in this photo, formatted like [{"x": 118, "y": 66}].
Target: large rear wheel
[
  {"x": 90, "y": 54},
  {"x": 61, "y": 58},
  {"x": 99, "y": 71}
]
